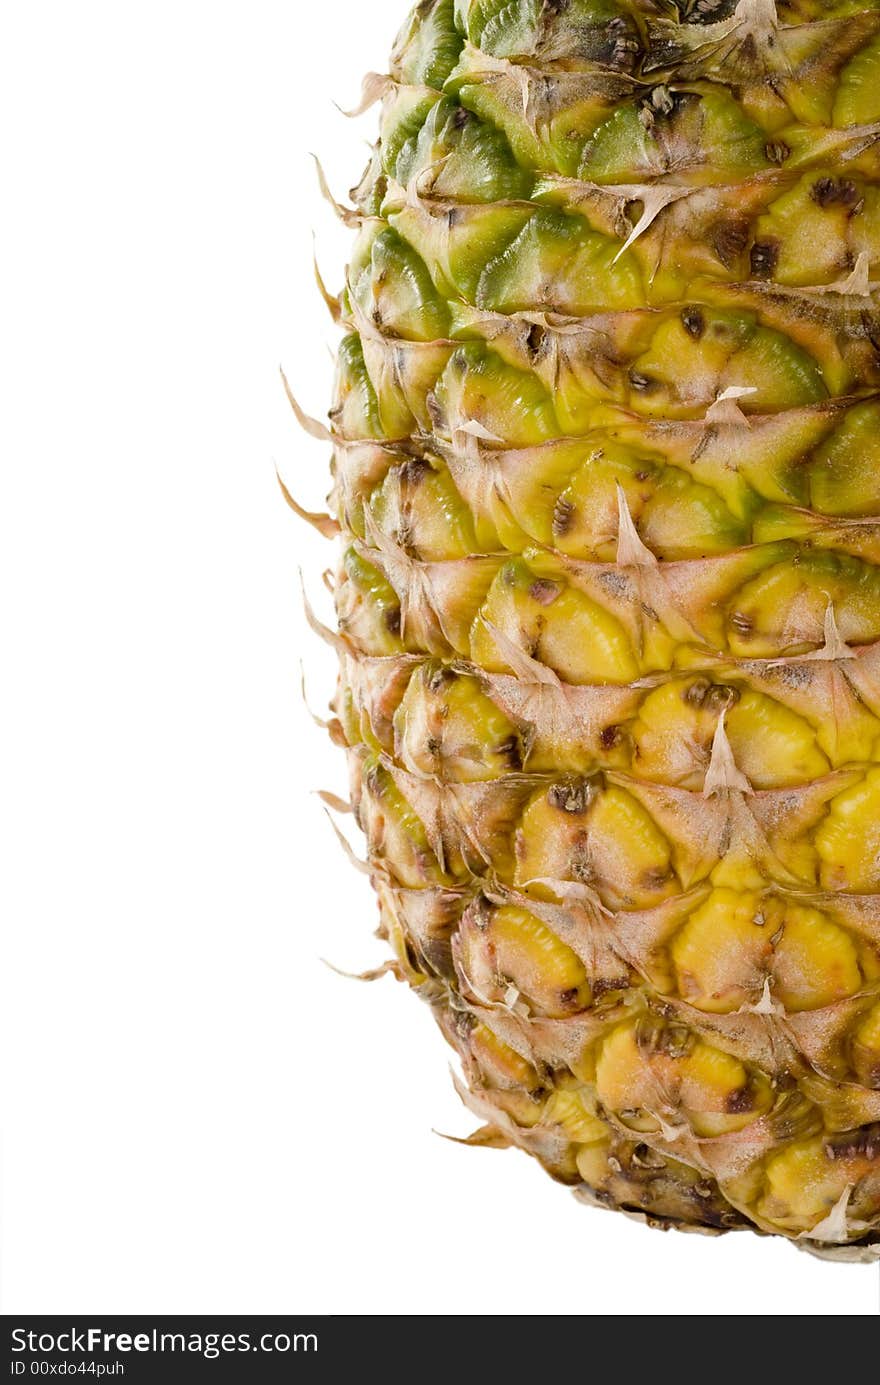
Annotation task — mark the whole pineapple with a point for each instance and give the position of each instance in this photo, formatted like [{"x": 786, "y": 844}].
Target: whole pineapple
[{"x": 607, "y": 472}]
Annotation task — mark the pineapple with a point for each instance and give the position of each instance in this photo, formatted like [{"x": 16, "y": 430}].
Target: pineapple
[{"x": 606, "y": 441}]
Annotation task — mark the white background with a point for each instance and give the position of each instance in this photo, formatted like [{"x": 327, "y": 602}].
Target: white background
[{"x": 200, "y": 1116}]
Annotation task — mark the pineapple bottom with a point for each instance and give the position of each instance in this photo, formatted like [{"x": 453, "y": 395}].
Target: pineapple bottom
[
  {"x": 653, "y": 1120},
  {"x": 710, "y": 1120}
]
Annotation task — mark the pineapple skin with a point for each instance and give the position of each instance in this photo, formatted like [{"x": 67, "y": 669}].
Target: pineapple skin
[{"x": 606, "y": 440}]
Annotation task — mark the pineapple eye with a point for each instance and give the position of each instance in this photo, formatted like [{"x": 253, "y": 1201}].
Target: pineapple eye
[
  {"x": 682, "y": 372},
  {"x": 501, "y": 1066},
  {"x": 369, "y": 607},
  {"x": 845, "y": 470},
  {"x": 428, "y": 46},
  {"x": 804, "y": 236},
  {"x": 652, "y": 1078},
  {"x": 393, "y": 290},
  {"x": 674, "y": 129},
  {"x": 601, "y": 838},
  {"x": 559, "y": 262},
  {"x": 511, "y": 956},
  {"x": 809, "y": 1180},
  {"x": 447, "y": 726},
  {"x": 553, "y": 623},
  {"x": 848, "y": 840},
  {"x": 740, "y": 948}
]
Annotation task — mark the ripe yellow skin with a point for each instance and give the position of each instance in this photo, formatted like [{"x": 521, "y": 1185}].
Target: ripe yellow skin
[{"x": 606, "y": 441}]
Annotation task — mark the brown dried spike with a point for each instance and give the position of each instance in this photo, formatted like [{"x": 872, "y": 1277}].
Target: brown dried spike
[
  {"x": 325, "y": 524},
  {"x": 312, "y": 426}
]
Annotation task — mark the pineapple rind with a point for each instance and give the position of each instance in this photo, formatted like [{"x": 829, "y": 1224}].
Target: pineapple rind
[{"x": 607, "y": 467}]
